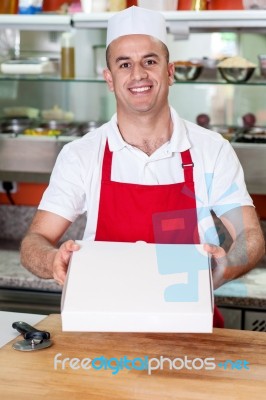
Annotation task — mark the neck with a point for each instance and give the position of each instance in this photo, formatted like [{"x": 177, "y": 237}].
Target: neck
[{"x": 145, "y": 131}]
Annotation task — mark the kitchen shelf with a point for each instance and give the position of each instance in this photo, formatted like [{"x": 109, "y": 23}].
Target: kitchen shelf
[
  {"x": 222, "y": 82},
  {"x": 39, "y": 22},
  {"x": 178, "y": 22},
  {"x": 93, "y": 79},
  {"x": 182, "y": 22},
  {"x": 50, "y": 78}
]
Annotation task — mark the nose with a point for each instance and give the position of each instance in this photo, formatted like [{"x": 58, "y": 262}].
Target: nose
[{"x": 138, "y": 72}]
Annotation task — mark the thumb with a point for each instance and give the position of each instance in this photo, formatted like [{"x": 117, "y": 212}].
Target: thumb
[{"x": 215, "y": 251}]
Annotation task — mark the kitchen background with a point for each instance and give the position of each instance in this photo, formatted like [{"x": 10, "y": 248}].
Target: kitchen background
[{"x": 87, "y": 98}]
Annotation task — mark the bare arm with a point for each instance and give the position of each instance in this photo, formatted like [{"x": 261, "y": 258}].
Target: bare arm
[
  {"x": 38, "y": 248},
  {"x": 247, "y": 249}
]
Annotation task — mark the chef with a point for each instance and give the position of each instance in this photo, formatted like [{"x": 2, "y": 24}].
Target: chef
[{"x": 147, "y": 174}]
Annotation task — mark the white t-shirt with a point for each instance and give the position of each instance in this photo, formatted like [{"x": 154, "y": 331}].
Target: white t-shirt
[{"x": 75, "y": 182}]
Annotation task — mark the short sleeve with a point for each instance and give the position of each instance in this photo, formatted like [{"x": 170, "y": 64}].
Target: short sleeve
[
  {"x": 65, "y": 195},
  {"x": 228, "y": 189}
]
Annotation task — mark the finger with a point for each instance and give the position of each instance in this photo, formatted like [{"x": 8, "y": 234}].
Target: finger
[
  {"x": 60, "y": 274},
  {"x": 71, "y": 245},
  {"x": 60, "y": 266},
  {"x": 215, "y": 251},
  {"x": 66, "y": 250}
]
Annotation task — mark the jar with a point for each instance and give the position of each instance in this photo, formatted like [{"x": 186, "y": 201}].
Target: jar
[
  {"x": 132, "y": 3},
  {"x": 8, "y": 6},
  {"x": 199, "y": 5},
  {"x": 226, "y": 5},
  {"x": 99, "y": 59},
  {"x": 117, "y": 5},
  {"x": 67, "y": 56},
  {"x": 184, "y": 4},
  {"x": 99, "y": 5},
  {"x": 54, "y": 5}
]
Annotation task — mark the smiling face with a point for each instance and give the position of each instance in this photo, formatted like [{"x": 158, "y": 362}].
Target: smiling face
[{"x": 139, "y": 73}]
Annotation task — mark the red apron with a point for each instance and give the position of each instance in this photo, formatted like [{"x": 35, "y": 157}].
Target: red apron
[{"x": 152, "y": 213}]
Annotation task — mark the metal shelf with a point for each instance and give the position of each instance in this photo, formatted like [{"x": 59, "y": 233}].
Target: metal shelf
[
  {"x": 178, "y": 22},
  {"x": 93, "y": 79},
  {"x": 50, "y": 78},
  {"x": 39, "y": 22}
]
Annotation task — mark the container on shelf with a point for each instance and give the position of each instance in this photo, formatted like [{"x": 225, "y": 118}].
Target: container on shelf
[
  {"x": 254, "y": 4},
  {"x": 67, "y": 55},
  {"x": 184, "y": 4},
  {"x": 262, "y": 63},
  {"x": 99, "y": 5},
  {"x": 89, "y": 6},
  {"x": 30, "y": 6},
  {"x": 117, "y": 5},
  {"x": 132, "y": 3},
  {"x": 99, "y": 59},
  {"x": 29, "y": 66},
  {"x": 226, "y": 5},
  {"x": 86, "y": 6},
  {"x": 160, "y": 5},
  {"x": 8, "y": 6},
  {"x": 54, "y": 5},
  {"x": 199, "y": 5}
]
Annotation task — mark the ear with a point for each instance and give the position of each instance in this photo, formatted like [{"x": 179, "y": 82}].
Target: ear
[
  {"x": 109, "y": 79},
  {"x": 171, "y": 73}
]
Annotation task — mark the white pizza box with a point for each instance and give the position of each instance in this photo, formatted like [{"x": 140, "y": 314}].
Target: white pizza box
[{"x": 138, "y": 287}]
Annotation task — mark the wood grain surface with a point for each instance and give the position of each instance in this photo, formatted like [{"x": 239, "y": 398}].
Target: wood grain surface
[{"x": 31, "y": 375}]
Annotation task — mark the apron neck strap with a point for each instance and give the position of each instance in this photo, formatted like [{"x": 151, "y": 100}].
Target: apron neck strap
[
  {"x": 187, "y": 164},
  {"x": 107, "y": 163}
]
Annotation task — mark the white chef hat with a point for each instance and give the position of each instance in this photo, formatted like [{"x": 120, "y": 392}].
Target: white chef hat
[{"x": 136, "y": 21}]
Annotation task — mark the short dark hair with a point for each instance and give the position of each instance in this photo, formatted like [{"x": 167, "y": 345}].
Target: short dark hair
[{"x": 108, "y": 54}]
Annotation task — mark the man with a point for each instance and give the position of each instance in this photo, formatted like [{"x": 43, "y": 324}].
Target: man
[{"x": 147, "y": 174}]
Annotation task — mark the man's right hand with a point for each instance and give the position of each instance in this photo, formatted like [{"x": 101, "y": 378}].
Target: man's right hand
[{"x": 61, "y": 260}]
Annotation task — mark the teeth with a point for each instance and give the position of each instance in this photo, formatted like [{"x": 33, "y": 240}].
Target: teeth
[{"x": 139, "y": 90}]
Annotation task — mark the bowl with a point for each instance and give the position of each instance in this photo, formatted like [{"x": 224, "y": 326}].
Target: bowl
[
  {"x": 262, "y": 63},
  {"x": 254, "y": 4},
  {"x": 187, "y": 71},
  {"x": 15, "y": 125},
  {"x": 236, "y": 74}
]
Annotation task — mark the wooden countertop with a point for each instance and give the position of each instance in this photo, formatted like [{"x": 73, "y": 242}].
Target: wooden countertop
[{"x": 31, "y": 375}]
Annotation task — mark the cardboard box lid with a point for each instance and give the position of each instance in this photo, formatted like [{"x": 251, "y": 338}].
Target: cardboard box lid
[{"x": 138, "y": 287}]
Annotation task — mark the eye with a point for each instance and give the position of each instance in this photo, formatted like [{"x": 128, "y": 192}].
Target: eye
[
  {"x": 150, "y": 62},
  {"x": 125, "y": 65}
]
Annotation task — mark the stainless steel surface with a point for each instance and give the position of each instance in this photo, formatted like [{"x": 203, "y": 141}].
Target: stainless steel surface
[
  {"x": 236, "y": 75},
  {"x": 29, "y": 301},
  {"x": 31, "y": 159},
  {"x": 252, "y": 157},
  {"x": 232, "y": 318},
  {"x": 188, "y": 72},
  {"x": 15, "y": 125},
  {"x": 255, "y": 321},
  {"x": 28, "y": 159}
]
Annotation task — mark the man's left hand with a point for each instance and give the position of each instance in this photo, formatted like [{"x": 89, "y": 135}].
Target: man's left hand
[{"x": 219, "y": 263}]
